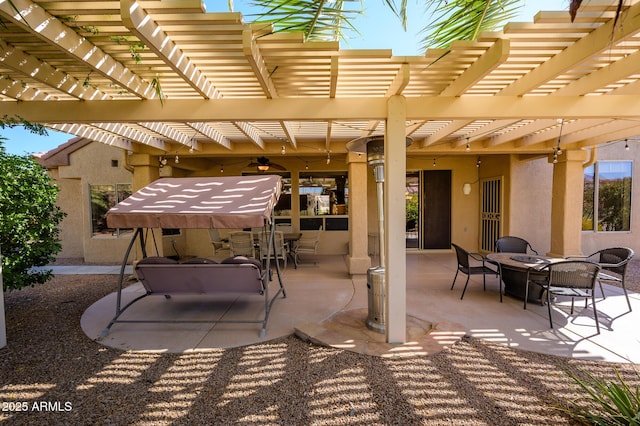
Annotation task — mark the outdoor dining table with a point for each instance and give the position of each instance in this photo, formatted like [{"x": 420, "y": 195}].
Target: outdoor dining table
[
  {"x": 515, "y": 266},
  {"x": 290, "y": 238}
]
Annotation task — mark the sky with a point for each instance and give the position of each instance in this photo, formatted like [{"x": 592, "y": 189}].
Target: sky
[{"x": 378, "y": 30}]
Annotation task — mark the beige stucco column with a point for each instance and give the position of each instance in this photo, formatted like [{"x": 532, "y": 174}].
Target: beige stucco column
[
  {"x": 358, "y": 260},
  {"x": 566, "y": 203},
  {"x": 395, "y": 166},
  {"x": 3, "y": 327},
  {"x": 145, "y": 171}
]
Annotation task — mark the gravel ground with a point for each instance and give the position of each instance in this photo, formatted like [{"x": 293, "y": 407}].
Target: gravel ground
[{"x": 51, "y": 373}]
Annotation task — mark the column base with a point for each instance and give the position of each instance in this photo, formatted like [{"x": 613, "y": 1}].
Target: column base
[{"x": 358, "y": 265}]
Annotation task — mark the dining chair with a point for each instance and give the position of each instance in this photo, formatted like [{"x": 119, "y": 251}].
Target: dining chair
[
  {"x": 474, "y": 264},
  {"x": 613, "y": 262},
  {"x": 280, "y": 251},
  {"x": 307, "y": 244},
  {"x": 510, "y": 244},
  {"x": 219, "y": 245},
  {"x": 284, "y": 227},
  {"x": 241, "y": 243},
  {"x": 570, "y": 278}
]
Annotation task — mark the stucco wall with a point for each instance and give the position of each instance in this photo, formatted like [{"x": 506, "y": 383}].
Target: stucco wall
[
  {"x": 90, "y": 165},
  {"x": 70, "y": 201},
  {"x": 530, "y": 201}
]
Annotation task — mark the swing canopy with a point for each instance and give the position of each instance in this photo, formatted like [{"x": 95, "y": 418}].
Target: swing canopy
[{"x": 200, "y": 202}]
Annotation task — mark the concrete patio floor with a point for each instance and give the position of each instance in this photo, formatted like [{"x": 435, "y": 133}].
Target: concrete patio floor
[{"x": 327, "y": 306}]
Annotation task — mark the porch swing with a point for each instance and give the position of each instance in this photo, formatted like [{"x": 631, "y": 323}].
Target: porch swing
[{"x": 199, "y": 203}]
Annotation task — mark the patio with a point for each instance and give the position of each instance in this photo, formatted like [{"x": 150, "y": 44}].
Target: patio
[{"x": 317, "y": 292}]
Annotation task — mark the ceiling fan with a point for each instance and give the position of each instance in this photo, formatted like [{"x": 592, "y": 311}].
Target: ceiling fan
[{"x": 263, "y": 164}]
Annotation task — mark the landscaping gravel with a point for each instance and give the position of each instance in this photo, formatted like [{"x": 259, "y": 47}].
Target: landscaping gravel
[{"x": 51, "y": 373}]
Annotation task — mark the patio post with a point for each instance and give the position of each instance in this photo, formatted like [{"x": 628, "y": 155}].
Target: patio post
[
  {"x": 566, "y": 203},
  {"x": 395, "y": 152},
  {"x": 358, "y": 261},
  {"x": 146, "y": 169},
  {"x": 3, "y": 327}
]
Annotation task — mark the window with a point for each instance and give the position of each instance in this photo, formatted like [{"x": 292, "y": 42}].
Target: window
[
  {"x": 283, "y": 208},
  {"x": 607, "y": 197},
  {"x": 103, "y": 197},
  {"x": 323, "y": 201}
]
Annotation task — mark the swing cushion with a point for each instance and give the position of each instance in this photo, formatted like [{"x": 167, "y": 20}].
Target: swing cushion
[
  {"x": 201, "y": 260},
  {"x": 157, "y": 260},
  {"x": 241, "y": 260}
]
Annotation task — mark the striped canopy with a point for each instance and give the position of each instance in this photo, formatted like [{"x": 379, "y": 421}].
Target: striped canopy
[{"x": 203, "y": 202}]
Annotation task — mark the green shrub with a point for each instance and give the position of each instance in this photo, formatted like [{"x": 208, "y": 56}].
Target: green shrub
[{"x": 607, "y": 402}]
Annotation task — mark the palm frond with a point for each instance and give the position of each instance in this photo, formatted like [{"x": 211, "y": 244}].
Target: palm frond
[
  {"x": 317, "y": 20},
  {"x": 466, "y": 19}
]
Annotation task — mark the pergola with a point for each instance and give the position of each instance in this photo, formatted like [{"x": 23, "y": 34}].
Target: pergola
[{"x": 152, "y": 77}]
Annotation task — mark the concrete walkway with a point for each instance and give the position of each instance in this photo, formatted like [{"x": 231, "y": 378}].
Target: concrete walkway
[{"x": 326, "y": 305}]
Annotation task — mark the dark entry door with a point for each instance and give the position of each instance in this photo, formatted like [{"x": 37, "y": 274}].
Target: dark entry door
[{"x": 437, "y": 209}]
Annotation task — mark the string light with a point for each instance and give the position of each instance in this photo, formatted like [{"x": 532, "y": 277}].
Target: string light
[
  {"x": 328, "y": 157},
  {"x": 626, "y": 145},
  {"x": 558, "y": 149},
  {"x": 478, "y": 161}
]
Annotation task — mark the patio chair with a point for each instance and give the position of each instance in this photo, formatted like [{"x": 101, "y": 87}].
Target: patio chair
[
  {"x": 509, "y": 244},
  {"x": 219, "y": 245},
  {"x": 241, "y": 244},
  {"x": 613, "y": 262},
  {"x": 284, "y": 227},
  {"x": 307, "y": 244},
  {"x": 570, "y": 278},
  {"x": 464, "y": 266},
  {"x": 281, "y": 248}
]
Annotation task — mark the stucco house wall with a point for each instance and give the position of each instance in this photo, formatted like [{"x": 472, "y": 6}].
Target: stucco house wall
[
  {"x": 530, "y": 189},
  {"x": 75, "y": 165},
  {"x": 527, "y": 193}
]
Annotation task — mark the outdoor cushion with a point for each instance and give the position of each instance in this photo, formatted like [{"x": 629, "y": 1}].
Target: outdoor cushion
[
  {"x": 242, "y": 259},
  {"x": 200, "y": 260},
  {"x": 154, "y": 260}
]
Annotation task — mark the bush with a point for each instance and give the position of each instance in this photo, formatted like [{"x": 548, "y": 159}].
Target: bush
[
  {"x": 29, "y": 219},
  {"x": 606, "y": 402}
]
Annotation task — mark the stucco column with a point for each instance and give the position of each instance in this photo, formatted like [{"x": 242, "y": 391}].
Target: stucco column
[
  {"x": 395, "y": 166},
  {"x": 146, "y": 170},
  {"x": 566, "y": 203},
  {"x": 358, "y": 260},
  {"x": 3, "y": 327}
]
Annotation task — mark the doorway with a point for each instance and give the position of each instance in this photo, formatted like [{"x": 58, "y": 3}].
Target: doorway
[
  {"x": 491, "y": 213},
  {"x": 436, "y": 190}
]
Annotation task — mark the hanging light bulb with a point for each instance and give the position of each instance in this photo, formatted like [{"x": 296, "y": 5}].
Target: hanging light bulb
[
  {"x": 306, "y": 165},
  {"x": 221, "y": 168},
  {"x": 468, "y": 147},
  {"x": 177, "y": 160},
  {"x": 434, "y": 162},
  {"x": 478, "y": 161},
  {"x": 558, "y": 149},
  {"x": 328, "y": 157},
  {"x": 626, "y": 145},
  {"x": 282, "y": 150},
  {"x": 555, "y": 157}
]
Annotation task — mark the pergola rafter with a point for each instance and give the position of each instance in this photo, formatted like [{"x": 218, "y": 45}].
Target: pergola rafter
[{"x": 109, "y": 62}]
